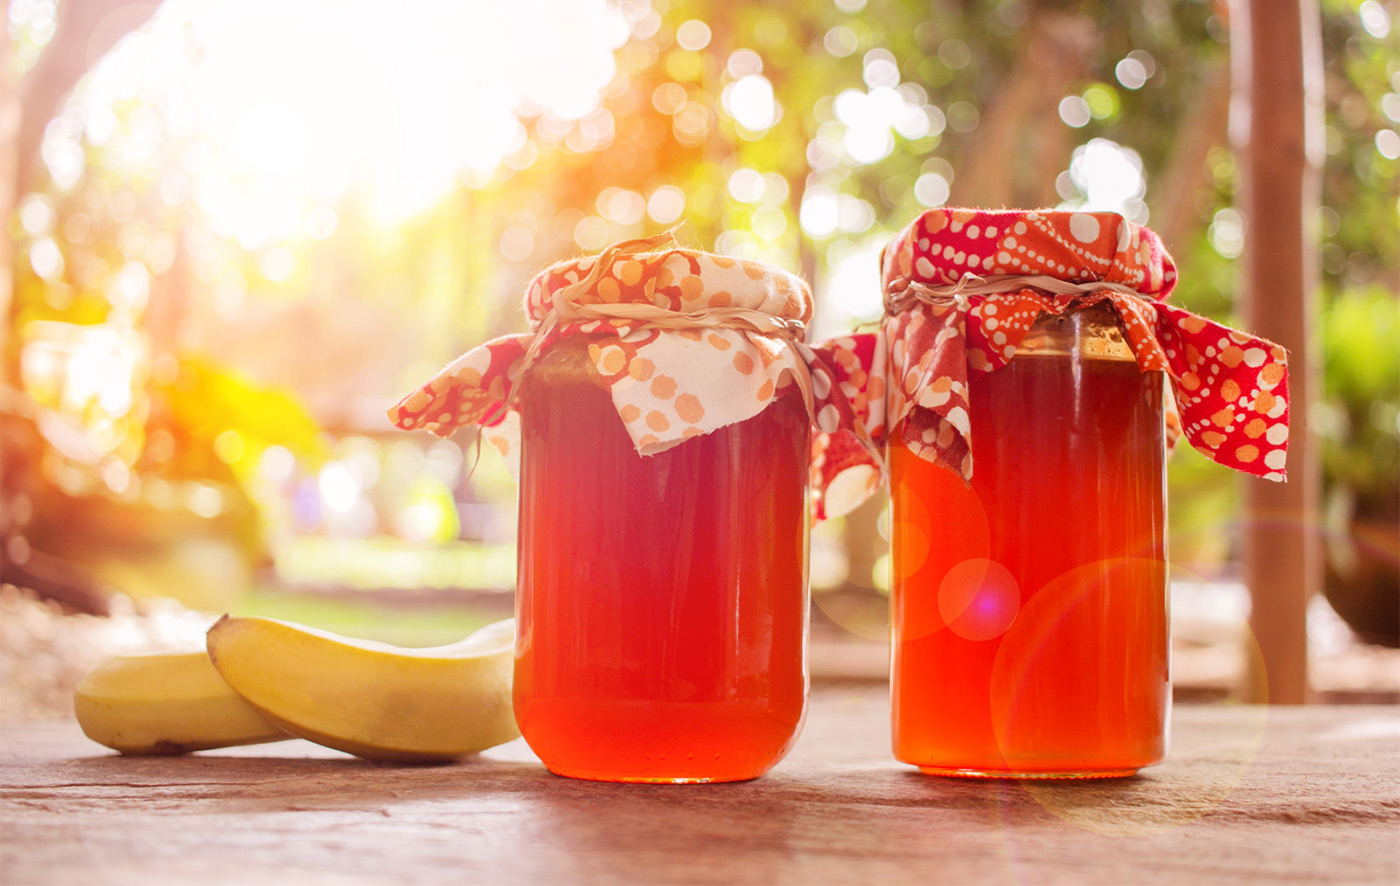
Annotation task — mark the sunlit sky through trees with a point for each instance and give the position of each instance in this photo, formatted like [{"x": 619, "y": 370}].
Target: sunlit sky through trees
[
  {"x": 291, "y": 106},
  {"x": 303, "y": 101},
  {"x": 254, "y": 221}
]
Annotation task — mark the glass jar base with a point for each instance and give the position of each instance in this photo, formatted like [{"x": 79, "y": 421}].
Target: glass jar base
[
  {"x": 621, "y": 778},
  {"x": 950, "y": 772}
]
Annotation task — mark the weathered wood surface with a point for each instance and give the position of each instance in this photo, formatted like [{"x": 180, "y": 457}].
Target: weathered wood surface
[{"x": 1250, "y": 795}]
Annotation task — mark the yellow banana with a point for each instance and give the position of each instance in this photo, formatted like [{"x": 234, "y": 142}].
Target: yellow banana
[
  {"x": 371, "y": 699},
  {"x": 166, "y": 703}
]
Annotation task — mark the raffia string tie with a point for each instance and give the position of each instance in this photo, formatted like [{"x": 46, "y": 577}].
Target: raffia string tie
[{"x": 974, "y": 284}]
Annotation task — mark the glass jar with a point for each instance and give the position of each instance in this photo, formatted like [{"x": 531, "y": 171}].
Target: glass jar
[
  {"x": 1030, "y": 607},
  {"x": 662, "y": 600}
]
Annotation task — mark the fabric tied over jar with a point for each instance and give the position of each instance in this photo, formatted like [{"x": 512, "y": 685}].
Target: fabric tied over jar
[
  {"x": 686, "y": 342},
  {"x": 962, "y": 288}
]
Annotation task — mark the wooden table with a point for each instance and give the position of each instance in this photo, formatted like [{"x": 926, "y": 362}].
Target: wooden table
[{"x": 1249, "y": 795}]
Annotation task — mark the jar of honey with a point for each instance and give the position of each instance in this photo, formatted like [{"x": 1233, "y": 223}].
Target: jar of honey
[
  {"x": 1031, "y": 372},
  {"x": 666, "y": 410}
]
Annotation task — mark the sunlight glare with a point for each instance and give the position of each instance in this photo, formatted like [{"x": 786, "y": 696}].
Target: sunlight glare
[
  {"x": 849, "y": 290},
  {"x": 101, "y": 369},
  {"x": 932, "y": 189},
  {"x": 339, "y": 487},
  {"x": 872, "y": 118},
  {"x": 621, "y": 205},
  {"x": 306, "y": 102},
  {"x": 749, "y": 100},
  {"x": 820, "y": 212},
  {"x": 46, "y": 259},
  {"x": 1110, "y": 179},
  {"x": 746, "y": 185},
  {"x": 666, "y": 204}
]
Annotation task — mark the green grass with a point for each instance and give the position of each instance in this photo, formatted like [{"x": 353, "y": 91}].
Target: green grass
[{"x": 407, "y": 624}]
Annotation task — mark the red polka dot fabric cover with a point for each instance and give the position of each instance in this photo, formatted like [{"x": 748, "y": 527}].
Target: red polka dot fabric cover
[
  {"x": 671, "y": 384},
  {"x": 1230, "y": 388}
]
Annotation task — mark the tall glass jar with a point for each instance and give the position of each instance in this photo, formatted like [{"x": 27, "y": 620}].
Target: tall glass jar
[
  {"x": 669, "y": 419},
  {"x": 662, "y": 600},
  {"x": 1030, "y": 606},
  {"x": 1025, "y": 358}
]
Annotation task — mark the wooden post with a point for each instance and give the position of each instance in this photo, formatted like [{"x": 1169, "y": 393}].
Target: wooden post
[
  {"x": 85, "y": 30},
  {"x": 1277, "y": 131}
]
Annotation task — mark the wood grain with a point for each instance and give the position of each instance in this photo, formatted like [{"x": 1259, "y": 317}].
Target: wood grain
[{"x": 1250, "y": 794}]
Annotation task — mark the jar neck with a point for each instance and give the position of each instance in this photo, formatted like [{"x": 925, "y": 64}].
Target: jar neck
[{"x": 1090, "y": 331}]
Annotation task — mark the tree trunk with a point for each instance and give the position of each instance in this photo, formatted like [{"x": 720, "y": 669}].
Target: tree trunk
[
  {"x": 10, "y": 113},
  {"x": 1174, "y": 211},
  {"x": 1005, "y": 162},
  {"x": 84, "y": 32},
  {"x": 1276, "y": 49}
]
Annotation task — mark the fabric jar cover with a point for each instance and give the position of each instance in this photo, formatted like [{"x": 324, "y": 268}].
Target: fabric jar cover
[
  {"x": 957, "y": 304},
  {"x": 686, "y": 342}
]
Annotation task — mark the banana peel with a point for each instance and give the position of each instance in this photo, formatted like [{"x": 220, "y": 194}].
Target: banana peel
[
  {"x": 166, "y": 703},
  {"x": 371, "y": 699}
]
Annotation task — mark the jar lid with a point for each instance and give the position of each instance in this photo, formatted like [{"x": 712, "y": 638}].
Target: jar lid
[
  {"x": 677, "y": 280},
  {"x": 942, "y": 246},
  {"x": 685, "y": 342},
  {"x": 964, "y": 286}
]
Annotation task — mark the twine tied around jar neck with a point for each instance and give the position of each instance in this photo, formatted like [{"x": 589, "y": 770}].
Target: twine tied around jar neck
[
  {"x": 645, "y": 315},
  {"x": 975, "y": 284}
]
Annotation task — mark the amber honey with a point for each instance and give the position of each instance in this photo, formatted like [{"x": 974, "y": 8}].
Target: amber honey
[
  {"x": 1029, "y": 608},
  {"x": 662, "y": 600}
]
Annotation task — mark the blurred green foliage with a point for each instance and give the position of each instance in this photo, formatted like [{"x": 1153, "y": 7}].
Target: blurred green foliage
[
  {"x": 226, "y": 418},
  {"x": 1361, "y": 414},
  {"x": 396, "y": 621}
]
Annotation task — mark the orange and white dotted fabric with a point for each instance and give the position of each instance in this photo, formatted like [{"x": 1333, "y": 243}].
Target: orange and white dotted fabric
[
  {"x": 1231, "y": 389},
  {"x": 668, "y": 385}
]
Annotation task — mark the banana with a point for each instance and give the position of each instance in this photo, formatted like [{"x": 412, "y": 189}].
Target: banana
[
  {"x": 166, "y": 703},
  {"x": 371, "y": 699}
]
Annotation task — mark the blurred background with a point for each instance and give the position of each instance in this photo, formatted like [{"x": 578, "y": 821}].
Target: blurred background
[{"x": 235, "y": 233}]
